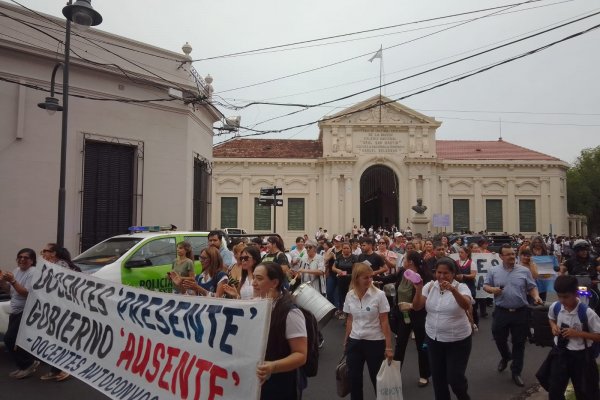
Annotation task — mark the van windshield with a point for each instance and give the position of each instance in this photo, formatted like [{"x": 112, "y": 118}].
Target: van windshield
[{"x": 104, "y": 253}]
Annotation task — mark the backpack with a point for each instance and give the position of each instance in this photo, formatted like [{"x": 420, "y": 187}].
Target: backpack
[
  {"x": 312, "y": 344},
  {"x": 582, "y": 314}
]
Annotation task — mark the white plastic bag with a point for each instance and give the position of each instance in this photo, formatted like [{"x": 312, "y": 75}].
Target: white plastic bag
[{"x": 389, "y": 381}]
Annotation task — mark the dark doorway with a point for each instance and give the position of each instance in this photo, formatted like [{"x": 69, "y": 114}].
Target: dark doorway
[
  {"x": 378, "y": 197},
  {"x": 108, "y": 185},
  {"x": 202, "y": 172}
]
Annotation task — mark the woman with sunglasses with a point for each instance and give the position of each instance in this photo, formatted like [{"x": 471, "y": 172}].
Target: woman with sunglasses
[
  {"x": 390, "y": 257},
  {"x": 248, "y": 260},
  {"x": 59, "y": 255},
  {"x": 20, "y": 283},
  {"x": 210, "y": 281}
]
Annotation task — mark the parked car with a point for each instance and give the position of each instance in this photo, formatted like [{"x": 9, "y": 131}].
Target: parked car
[
  {"x": 497, "y": 241},
  {"x": 140, "y": 259}
]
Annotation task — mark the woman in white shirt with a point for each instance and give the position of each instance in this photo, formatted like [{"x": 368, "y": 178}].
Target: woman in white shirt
[
  {"x": 287, "y": 344},
  {"x": 368, "y": 337},
  {"x": 448, "y": 329},
  {"x": 248, "y": 260}
]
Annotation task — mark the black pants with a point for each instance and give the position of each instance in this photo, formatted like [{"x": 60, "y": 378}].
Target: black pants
[
  {"x": 357, "y": 352},
  {"x": 578, "y": 367},
  {"x": 416, "y": 325},
  {"x": 448, "y": 365},
  {"x": 343, "y": 284},
  {"x": 22, "y": 359},
  {"x": 515, "y": 323}
]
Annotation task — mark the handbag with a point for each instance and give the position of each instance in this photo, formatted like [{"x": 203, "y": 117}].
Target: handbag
[
  {"x": 341, "y": 378},
  {"x": 389, "y": 381}
]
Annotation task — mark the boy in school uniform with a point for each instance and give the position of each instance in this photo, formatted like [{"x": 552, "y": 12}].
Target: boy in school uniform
[{"x": 573, "y": 341}]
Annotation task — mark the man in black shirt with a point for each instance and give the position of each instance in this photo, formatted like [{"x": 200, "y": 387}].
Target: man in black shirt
[{"x": 368, "y": 256}]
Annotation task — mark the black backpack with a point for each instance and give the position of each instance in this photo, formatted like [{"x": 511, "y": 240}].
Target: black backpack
[{"x": 312, "y": 344}]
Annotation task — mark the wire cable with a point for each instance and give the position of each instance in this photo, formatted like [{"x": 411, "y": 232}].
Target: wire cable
[
  {"x": 367, "y": 54},
  {"x": 364, "y": 31},
  {"x": 382, "y": 103}
]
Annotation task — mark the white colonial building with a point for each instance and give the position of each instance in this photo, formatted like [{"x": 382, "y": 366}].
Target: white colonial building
[
  {"x": 129, "y": 160},
  {"x": 369, "y": 165}
]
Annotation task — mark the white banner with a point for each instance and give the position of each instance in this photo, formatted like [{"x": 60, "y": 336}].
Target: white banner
[
  {"x": 483, "y": 262},
  {"x": 131, "y": 343}
]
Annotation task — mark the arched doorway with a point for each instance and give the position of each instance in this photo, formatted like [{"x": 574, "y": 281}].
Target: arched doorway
[{"x": 379, "y": 197}]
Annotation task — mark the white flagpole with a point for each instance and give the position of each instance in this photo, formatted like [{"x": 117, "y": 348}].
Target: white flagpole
[{"x": 380, "y": 78}]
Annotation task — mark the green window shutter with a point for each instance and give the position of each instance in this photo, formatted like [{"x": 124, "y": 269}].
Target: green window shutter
[
  {"x": 262, "y": 217},
  {"x": 527, "y": 216},
  {"x": 229, "y": 212},
  {"x": 460, "y": 215},
  {"x": 493, "y": 215},
  {"x": 296, "y": 214}
]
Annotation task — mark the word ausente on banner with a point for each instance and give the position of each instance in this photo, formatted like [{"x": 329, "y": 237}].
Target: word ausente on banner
[{"x": 132, "y": 343}]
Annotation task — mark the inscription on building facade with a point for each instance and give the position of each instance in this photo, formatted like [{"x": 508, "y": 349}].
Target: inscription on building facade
[{"x": 381, "y": 141}]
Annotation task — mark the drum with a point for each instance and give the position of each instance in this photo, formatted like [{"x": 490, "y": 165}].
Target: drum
[{"x": 311, "y": 300}]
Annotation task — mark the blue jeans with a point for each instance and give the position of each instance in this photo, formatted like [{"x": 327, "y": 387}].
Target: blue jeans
[{"x": 331, "y": 289}]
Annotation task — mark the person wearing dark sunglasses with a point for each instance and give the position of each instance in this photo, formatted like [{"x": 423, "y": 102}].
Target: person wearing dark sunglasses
[{"x": 19, "y": 282}]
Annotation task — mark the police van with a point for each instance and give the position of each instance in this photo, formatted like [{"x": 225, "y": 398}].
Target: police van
[{"x": 141, "y": 258}]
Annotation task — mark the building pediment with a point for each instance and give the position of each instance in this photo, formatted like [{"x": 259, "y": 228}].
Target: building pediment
[{"x": 380, "y": 111}]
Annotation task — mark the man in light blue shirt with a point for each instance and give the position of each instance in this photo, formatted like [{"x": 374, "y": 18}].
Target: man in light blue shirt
[
  {"x": 215, "y": 239},
  {"x": 510, "y": 284}
]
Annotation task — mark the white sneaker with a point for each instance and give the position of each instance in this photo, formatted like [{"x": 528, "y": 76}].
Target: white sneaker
[{"x": 27, "y": 372}]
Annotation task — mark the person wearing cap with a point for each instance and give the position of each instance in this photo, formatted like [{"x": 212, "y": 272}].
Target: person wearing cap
[{"x": 399, "y": 243}]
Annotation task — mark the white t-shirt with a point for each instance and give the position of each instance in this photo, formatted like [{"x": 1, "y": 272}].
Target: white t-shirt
[
  {"x": 247, "y": 291},
  {"x": 295, "y": 324},
  {"x": 446, "y": 321},
  {"x": 24, "y": 278},
  {"x": 365, "y": 313},
  {"x": 571, "y": 318}
]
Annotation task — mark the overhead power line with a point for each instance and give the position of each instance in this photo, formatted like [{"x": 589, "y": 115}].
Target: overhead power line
[
  {"x": 478, "y": 71},
  {"x": 363, "y": 31},
  {"x": 116, "y": 99},
  {"x": 308, "y": 106},
  {"x": 369, "y": 53}
]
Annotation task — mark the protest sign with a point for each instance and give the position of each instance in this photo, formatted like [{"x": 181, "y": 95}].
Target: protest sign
[
  {"x": 483, "y": 262},
  {"x": 132, "y": 343}
]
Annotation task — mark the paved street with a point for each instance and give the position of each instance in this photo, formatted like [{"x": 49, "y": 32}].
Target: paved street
[{"x": 484, "y": 381}]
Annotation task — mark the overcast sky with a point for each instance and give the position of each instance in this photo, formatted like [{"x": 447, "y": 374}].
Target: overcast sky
[{"x": 549, "y": 101}]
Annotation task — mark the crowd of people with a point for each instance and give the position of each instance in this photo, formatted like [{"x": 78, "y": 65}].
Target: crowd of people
[{"x": 386, "y": 286}]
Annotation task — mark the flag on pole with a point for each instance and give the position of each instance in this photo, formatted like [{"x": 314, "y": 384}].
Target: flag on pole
[{"x": 378, "y": 54}]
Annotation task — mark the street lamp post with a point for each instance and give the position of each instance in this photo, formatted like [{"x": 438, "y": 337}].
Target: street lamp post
[{"x": 80, "y": 13}]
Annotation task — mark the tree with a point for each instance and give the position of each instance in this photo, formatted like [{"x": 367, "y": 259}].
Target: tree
[{"x": 583, "y": 187}]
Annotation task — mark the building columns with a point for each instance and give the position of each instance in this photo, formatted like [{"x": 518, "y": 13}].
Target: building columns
[
  {"x": 347, "y": 219},
  {"x": 335, "y": 205},
  {"x": 312, "y": 204},
  {"x": 478, "y": 212},
  {"x": 512, "y": 219},
  {"x": 247, "y": 204}
]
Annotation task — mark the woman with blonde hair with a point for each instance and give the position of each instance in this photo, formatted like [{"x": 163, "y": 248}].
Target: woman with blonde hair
[{"x": 368, "y": 337}]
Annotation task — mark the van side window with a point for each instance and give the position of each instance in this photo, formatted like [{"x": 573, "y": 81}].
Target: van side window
[
  {"x": 198, "y": 243},
  {"x": 157, "y": 252}
]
